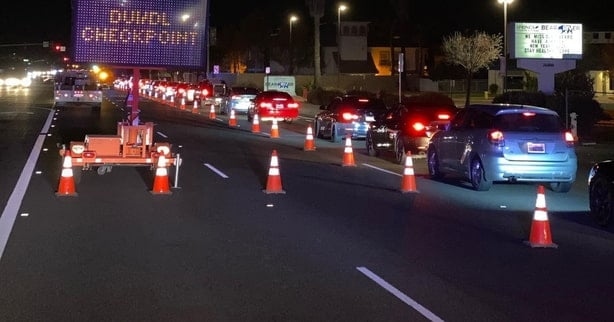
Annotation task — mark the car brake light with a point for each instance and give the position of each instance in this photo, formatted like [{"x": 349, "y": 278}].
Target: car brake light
[
  {"x": 418, "y": 126},
  {"x": 496, "y": 137},
  {"x": 205, "y": 92},
  {"x": 443, "y": 116},
  {"x": 181, "y": 90},
  {"x": 363, "y": 100},
  {"x": 293, "y": 105},
  {"x": 349, "y": 116},
  {"x": 569, "y": 138},
  {"x": 528, "y": 114},
  {"x": 266, "y": 105}
]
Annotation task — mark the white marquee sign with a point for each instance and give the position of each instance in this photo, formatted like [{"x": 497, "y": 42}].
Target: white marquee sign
[{"x": 546, "y": 40}]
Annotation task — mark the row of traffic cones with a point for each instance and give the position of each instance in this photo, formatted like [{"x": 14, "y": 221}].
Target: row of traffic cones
[{"x": 66, "y": 186}]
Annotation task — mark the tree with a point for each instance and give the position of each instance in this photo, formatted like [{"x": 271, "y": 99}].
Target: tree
[
  {"x": 316, "y": 10},
  {"x": 473, "y": 53}
]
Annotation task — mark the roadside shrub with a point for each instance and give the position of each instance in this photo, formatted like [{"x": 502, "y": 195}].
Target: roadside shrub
[
  {"x": 320, "y": 96},
  {"x": 429, "y": 99},
  {"x": 493, "y": 89}
]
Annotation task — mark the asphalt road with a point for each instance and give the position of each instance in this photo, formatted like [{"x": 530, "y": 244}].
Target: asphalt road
[{"x": 342, "y": 244}]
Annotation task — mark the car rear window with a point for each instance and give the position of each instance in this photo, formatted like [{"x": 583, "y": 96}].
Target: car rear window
[
  {"x": 272, "y": 95},
  {"x": 369, "y": 104},
  {"x": 244, "y": 91},
  {"x": 528, "y": 122}
]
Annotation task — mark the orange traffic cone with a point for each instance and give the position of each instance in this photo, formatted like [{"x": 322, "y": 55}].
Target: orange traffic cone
[
  {"x": 309, "y": 144},
  {"x": 274, "y": 129},
  {"x": 540, "y": 227},
  {"x": 348, "y": 153},
  {"x": 232, "y": 121},
  {"x": 273, "y": 183},
  {"x": 182, "y": 106},
  {"x": 408, "y": 183},
  {"x": 160, "y": 185},
  {"x": 255, "y": 124},
  {"x": 212, "y": 112},
  {"x": 195, "y": 108},
  {"x": 67, "y": 182}
]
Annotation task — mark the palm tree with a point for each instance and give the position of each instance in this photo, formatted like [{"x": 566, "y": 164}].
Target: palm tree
[{"x": 316, "y": 10}]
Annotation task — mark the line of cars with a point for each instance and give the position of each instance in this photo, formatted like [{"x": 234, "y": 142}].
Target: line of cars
[{"x": 481, "y": 143}]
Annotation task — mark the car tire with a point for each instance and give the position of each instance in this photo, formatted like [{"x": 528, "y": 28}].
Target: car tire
[
  {"x": 288, "y": 120},
  {"x": 477, "y": 176},
  {"x": 561, "y": 187},
  {"x": 316, "y": 130},
  {"x": 250, "y": 117},
  {"x": 601, "y": 201},
  {"x": 370, "y": 145},
  {"x": 432, "y": 161},
  {"x": 400, "y": 155}
]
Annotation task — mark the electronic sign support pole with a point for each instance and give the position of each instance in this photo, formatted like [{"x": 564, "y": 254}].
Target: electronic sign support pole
[{"x": 134, "y": 112}]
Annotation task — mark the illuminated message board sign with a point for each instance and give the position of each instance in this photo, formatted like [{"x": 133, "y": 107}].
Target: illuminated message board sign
[
  {"x": 546, "y": 40},
  {"x": 151, "y": 33}
]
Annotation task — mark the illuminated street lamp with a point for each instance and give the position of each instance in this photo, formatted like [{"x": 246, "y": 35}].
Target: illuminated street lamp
[
  {"x": 341, "y": 8},
  {"x": 505, "y": 2},
  {"x": 293, "y": 18}
]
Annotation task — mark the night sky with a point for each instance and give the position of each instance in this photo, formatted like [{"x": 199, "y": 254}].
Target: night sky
[{"x": 25, "y": 21}]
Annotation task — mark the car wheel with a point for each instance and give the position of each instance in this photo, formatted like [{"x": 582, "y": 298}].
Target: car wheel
[
  {"x": 478, "y": 179},
  {"x": 222, "y": 110},
  {"x": 370, "y": 146},
  {"x": 316, "y": 130},
  {"x": 432, "y": 160},
  {"x": 560, "y": 186},
  {"x": 250, "y": 117},
  {"x": 288, "y": 120},
  {"x": 333, "y": 134},
  {"x": 601, "y": 199},
  {"x": 399, "y": 151}
]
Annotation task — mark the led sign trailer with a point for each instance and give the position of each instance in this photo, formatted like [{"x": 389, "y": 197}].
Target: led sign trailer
[
  {"x": 546, "y": 40},
  {"x": 140, "y": 33}
]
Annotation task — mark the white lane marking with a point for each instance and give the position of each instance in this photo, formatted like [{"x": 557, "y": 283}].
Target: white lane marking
[
  {"x": 306, "y": 118},
  {"x": 220, "y": 173},
  {"x": 162, "y": 135},
  {"x": 7, "y": 220},
  {"x": 408, "y": 300},
  {"x": 380, "y": 169}
]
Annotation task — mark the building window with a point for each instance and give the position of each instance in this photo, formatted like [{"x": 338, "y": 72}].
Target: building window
[
  {"x": 354, "y": 31},
  {"x": 595, "y": 35},
  {"x": 608, "y": 35},
  {"x": 363, "y": 31},
  {"x": 384, "y": 58},
  {"x": 346, "y": 30}
]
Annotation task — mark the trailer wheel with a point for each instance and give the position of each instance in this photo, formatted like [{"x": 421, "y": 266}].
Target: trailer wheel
[{"x": 104, "y": 169}]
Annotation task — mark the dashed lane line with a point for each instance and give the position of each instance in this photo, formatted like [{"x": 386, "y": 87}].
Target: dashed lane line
[{"x": 219, "y": 173}]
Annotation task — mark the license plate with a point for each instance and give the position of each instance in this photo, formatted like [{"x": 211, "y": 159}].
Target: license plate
[
  {"x": 536, "y": 147},
  {"x": 279, "y": 105},
  {"x": 369, "y": 118}
]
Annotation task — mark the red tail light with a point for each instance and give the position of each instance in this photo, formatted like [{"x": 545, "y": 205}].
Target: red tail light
[
  {"x": 418, "y": 126},
  {"x": 443, "y": 116},
  {"x": 528, "y": 114},
  {"x": 496, "y": 137},
  {"x": 569, "y": 138},
  {"x": 89, "y": 154},
  {"x": 348, "y": 116},
  {"x": 205, "y": 92},
  {"x": 293, "y": 105},
  {"x": 266, "y": 105}
]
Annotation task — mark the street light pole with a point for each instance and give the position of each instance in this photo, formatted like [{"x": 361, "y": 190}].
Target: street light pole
[
  {"x": 292, "y": 20},
  {"x": 505, "y": 62},
  {"x": 339, "y": 10}
]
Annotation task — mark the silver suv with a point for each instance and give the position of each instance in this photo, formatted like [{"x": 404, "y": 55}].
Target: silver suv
[{"x": 503, "y": 142}]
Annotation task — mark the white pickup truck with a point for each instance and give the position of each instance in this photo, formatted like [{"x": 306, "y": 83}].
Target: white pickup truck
[{"x": 77, "y": 87}]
